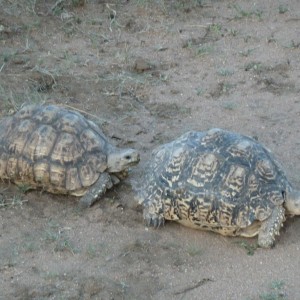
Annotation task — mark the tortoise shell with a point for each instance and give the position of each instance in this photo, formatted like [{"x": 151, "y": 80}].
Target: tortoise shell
[
  {"x": 53, "y": 148},
  {"x": 215, "y": 180}
]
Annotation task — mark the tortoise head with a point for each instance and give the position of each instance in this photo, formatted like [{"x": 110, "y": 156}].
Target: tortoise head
[
  {"x": 292, "y": 202},
  {"x": 120, "y": 160}
]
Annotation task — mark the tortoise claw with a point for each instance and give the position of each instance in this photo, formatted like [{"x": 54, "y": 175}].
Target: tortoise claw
[{"x": 154, "y": 220}]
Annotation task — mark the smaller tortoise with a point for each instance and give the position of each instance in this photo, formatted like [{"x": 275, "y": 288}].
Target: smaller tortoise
[
  {"x": 218, "y": 181},
  {"x": 61, "y": 152}
]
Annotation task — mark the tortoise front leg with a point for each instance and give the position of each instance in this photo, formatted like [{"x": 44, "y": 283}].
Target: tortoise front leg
[
  {"x": 271, "y": 227},
  {"x": 103, "y": 183},
  {"x": 153, "y": 212}
]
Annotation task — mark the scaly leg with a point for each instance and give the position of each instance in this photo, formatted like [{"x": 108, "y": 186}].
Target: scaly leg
[
  {"x": 270, "y": 228},
  {"x": 103, "y": 183},
  {"x": 153, "y": 212}
]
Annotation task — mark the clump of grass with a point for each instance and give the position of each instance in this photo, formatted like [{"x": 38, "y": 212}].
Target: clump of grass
[
  {"x": 282, "y": 9},
  {"x": 13, "y": 100},
  {"x": 186, "y": 6},
  {"x": 255, "y": 66},
  {"x": 11, "y": 201},
  {"x": 54, "y": 233},
  {"x": 247, "y": 52},
  {"x": 61, "y": 5},
  {"x": 64, "y": 244},
  {"x": 91, "y": 251},
  {"x": 77, "y": 3},
  {"x": 215, "y": 28},
  {"x": 23, "y": 188},
  {"x": 200, "y": 91},
  {"x": 51, "y": 275},
  {"x": 224, "y": 88},
  {"x": 276, "y": 291},
  {"x": 96, "y": 250},
  {"x": 194, "y": 251},
  {"x": 233, "y": 32},
  {"x": 242, "y": 13},
  {"x": 229, "y": 106},
  {"x": 294, "y": 45},
  {"x": 250, "y": 248},
  {"x": 204, "y": 50},
  {"x": 29, "y": 246},
  {"x": 227, "y": 87},
  {"x": 12, "y": 257},
  {"x": 6, "y": 56},
  {"x": 225, "y": 72}
]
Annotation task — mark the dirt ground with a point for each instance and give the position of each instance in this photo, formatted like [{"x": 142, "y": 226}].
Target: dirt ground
[{"x": 146, "y": 72}]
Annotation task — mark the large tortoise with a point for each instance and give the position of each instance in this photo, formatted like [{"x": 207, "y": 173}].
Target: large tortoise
[
  {"x": 60, "y": 151},
  {"x": 219, "y": 181}
]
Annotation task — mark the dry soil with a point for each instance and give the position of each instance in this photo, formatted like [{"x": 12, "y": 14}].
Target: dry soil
[{"x": 146, "y": 72}]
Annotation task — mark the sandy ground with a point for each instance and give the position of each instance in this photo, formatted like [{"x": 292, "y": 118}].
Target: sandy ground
[{"x": 146, "y": 72}]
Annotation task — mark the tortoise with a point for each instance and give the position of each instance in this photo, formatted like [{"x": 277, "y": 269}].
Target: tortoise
[
  {"x": 219, "y": 181},
  {"x": 60, "y": 151}
]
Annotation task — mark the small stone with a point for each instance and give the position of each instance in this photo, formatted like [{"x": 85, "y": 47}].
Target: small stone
[{"x": 142, "y": 65}]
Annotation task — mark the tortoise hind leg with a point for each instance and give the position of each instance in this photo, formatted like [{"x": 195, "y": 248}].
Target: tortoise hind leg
[
  {"x": 270, "y": 228},
  {"x": 103, "y": 183}
]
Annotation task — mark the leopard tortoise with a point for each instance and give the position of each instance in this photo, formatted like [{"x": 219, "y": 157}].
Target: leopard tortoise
[
  {"x": 60, "y": 151},
  {"x": 219, "y": 181}
]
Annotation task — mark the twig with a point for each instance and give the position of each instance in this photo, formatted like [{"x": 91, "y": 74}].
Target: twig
[
  {"x": 57, "y": 3},
  {"x": 199, "y": 25},
  {"x": 198, "y": 284},
  {"x": 2, "y": 67},
  {"x": 83, "y": 112}
]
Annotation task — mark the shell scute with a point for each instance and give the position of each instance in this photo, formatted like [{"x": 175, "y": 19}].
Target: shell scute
[
  {"x": 67, "y": 149},
  {"x": 92, "y": 142}
]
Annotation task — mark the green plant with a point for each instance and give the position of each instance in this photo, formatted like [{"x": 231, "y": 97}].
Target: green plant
[
  {"x": 96, "y": 250},
  {"x": 7, "y": 56},
  {"x": 247, "y": 52},
  {"x": 54, "y": 233},
  {"x": 294, "y": 45},
  {"x": 229, "y": 106},
  {"x": 225, "y": 72},
  {"x": 11, "y": 201},
  {"x": 200, "y": 91},
  {"x": 255, "y": 66},
  {"x": 233, "y": 32},
  {"x": 194, "y": 251},
  {"x": 91, "y": 251},
  {"x": 64, "y": 244},
  {"x": 223, "y": 88},
  {"x": 186, "y": 6},
  {"x": 29, "y": 246},
  {"x": 216, "y": 28},
  {"x": 24, "y": 187},
  {"x": 242, "y": 13},
  {"x": 77, "y": 3},
  {"x": 282, "y": 9},
  {"x": 276, "y": 291},
  {"x": 51, "y": 275},
  {"x": 204, "y": 50},
  {"x": 250, "y": 248}
]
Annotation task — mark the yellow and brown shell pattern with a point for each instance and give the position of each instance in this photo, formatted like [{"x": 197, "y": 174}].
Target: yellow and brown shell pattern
[
  {"x": 215, "y": 180},
  {"x": 52, "y": 148}
]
